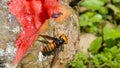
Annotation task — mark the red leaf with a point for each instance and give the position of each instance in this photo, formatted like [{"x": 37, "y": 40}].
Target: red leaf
[{"x": 31, "y": 14}]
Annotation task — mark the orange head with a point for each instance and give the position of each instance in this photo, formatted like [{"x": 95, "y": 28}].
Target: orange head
[{"x": 64, "y": 37}]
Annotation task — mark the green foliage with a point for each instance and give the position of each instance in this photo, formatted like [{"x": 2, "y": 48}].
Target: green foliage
[
  {"x": 95, "y": 45},
  {"x": 89, "y": 18},
  {"x": 79, "y": 61},
  {"x": 110, "y": 33},
  {"x": 101, "y": 18},
  {"x": 115, "y": 9},
  {"x": 95, "y": 5},
  {"x": 116, "y": 1}
]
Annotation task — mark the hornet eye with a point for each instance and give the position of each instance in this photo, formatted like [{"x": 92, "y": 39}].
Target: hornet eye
[{"x": 56, "y": 15}]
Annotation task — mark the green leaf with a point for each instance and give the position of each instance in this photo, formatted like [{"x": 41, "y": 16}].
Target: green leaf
[
  {"x": 96, "y": 18},
  {"x": 102, "y": 58},
  {"x": 108, "y": 55},
  {"x": 92, "y": 4},
  {"x": 79, "y": 64},
  {"x": 110, "y": 42},
  {"x": 96, "y": 61},
  {"x": 103, "y": 10},
  {"x": 80, "y": 60},
  {"x": 114, "y": 50},
  {"x": 81, "y": 56},
  {"x": 95, "y": 5},
  {"x": 116, "y": 1},
  {"x": 95, "y": 45},
  {"x": 93, "y": 29},
  {"x": 110, "y": 33},
  {"x": 114, "y": 8},
  {"x": 118, "y": 44},
  {"x": 89, "y": 18},
  {"x": 104, "y": 1},
  {"x": 114, "y": 64},
  {"x": 118, "y": 56}
]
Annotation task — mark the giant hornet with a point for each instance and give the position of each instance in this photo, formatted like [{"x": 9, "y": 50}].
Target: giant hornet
[{"x": 55, "y": 44}]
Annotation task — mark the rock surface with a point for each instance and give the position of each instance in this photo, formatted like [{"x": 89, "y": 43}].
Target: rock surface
[{"x": 9, "y": 29}]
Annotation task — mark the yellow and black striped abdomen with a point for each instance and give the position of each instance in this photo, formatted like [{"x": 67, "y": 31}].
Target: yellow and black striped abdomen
[{"x": 50, "y": 47}]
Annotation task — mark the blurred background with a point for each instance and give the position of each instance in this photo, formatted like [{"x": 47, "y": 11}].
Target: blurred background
[{"x": 100, "y": 31}]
